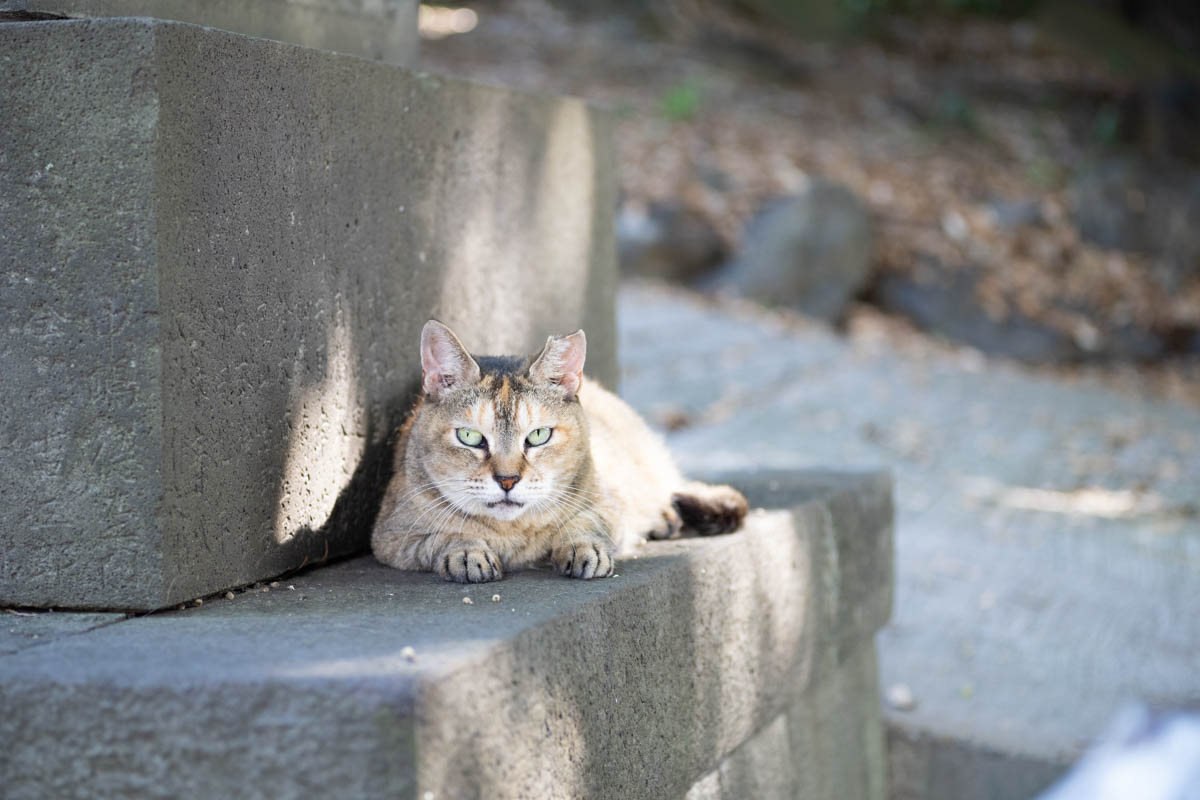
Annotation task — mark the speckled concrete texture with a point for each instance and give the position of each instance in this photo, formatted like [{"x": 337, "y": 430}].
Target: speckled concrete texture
[
  {"x": 21, "y": 629},
  {"x": 828, "y": 746},
  {"x": 384, "y": 30},
  {"x": 360, "y": 680},
  {"x": 222, "y": 253}
]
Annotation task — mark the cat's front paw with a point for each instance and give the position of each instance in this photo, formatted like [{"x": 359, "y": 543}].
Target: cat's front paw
[
  {"x": 470, "y": 564},
  {"x": 584, "y": 560}
]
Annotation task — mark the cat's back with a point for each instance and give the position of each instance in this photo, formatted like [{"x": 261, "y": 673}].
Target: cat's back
[{"x": 611, "y": 418}]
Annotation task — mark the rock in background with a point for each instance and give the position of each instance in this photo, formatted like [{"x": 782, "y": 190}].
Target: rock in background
[
  {"x": 811, "y": 252},
  {"x": 1128, "y": 205},
  {"x": 947, "y": 301},
  {"x": 667, "y": 240}
]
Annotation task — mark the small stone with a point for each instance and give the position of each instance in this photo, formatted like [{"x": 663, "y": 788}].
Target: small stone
[
  {"x": 199, "y": 601},
  {"x": 408, "y": 654},
  {"x": 468, "y": 601},
  {"x": 1009, "y": 214},
  {"x": 274, "y": 584},
  {"x": 229, "y": 595},
  {"x": 291, "y": 588},
  {"x": 900, "y": 697},
  {"x": 495, "y": 598},
  {"x": 987, "y": 600}
]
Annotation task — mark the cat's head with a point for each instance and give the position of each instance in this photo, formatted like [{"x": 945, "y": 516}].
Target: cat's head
[{"x": 501, "y": 436}]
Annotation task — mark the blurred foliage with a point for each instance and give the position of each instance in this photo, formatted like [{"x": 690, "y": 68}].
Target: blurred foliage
[
  {"x": 681, "y": 102},
  {"x": 1106, "y": 126},
  {"x": 953, "y": 109},
  {"x": 835, "y": 17},
  {"x": 1046, "y": 174}
]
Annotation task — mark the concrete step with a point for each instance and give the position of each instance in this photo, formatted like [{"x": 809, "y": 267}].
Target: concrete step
[
  {"x": 216, "y": 258},
  {"x": 734, "y": 666}
]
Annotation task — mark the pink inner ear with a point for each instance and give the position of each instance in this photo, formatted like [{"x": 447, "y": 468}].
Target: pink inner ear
[
  {"x": 562, "y": 361},
  {"x": 572, "y": 368},
  {"x": 443, "y": 361}
]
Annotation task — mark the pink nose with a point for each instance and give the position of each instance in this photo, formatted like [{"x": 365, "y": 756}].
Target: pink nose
[{"x": 507, "y": 481}]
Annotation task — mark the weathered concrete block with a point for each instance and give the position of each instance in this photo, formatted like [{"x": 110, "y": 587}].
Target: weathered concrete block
[
  {"x": 384, "y": 30},
  {"x": 924, "y": 766},
  {"x": 217, "y": 253},
  {"x": 829, "y": 745},
  {"x": 638, "y": 686}
]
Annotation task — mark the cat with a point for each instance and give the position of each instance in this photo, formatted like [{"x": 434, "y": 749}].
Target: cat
[{"x": 507, "y": 462}]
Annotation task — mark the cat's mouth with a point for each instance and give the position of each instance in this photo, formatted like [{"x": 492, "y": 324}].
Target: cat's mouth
[{"x": 506, "y": 503}]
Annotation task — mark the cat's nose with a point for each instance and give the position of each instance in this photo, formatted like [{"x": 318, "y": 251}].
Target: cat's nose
[{"x": 507, "y": 481}]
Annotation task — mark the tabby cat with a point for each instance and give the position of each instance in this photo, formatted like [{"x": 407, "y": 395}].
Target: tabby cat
[{"x": 507, "y": 461}]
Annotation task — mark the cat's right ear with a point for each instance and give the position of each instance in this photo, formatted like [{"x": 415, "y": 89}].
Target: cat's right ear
[
  {"x": 445, "y": 363},
  {"x": 561, "y": 362}
]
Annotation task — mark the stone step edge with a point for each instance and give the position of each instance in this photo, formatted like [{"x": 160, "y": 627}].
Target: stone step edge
[{"x": 658, "y": 674}]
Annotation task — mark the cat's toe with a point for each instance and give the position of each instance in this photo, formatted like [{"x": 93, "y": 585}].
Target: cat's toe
[
  {"x": 470, "y": 566},
  {"x": 668, "y": 527},
  {"x": 589, "y": 560}
]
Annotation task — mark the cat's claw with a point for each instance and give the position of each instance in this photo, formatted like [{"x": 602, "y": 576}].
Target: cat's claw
[
  {"x": 478, "y": 565},
  {"x": 589, "y": 560}
]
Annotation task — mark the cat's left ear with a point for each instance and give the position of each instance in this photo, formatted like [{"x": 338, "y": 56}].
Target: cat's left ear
[{"x": 561, "y": 362}]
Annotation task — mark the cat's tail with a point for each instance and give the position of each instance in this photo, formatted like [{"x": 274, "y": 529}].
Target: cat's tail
[{"x": 708, "y": 510}]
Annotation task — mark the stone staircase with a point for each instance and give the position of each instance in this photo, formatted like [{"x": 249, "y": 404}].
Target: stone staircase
[
  {"x": 731, "y": 667},
  {"x": 216, "y": 253}
]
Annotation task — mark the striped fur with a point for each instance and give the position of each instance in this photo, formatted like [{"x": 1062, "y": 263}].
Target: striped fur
[{"x": 602, "y": 482}]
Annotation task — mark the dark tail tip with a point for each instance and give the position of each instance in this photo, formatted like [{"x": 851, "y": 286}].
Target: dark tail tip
[{"x": 710, "y": 510}]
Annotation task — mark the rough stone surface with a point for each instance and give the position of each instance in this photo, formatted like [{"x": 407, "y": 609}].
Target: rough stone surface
[
  {"x": 926, "y": 767},
  {"x": 212, "y": 301},
  {"x": 633, "y": 687},
  {"x": 21, "y": 629},
  {"x": 384, "y": 30},
  {"x": 811, "y": 252},
  {"x": 1047, "y": 540},
  {"x": 827, "y": 745}
]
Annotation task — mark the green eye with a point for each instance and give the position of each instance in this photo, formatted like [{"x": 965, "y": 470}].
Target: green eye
[
  {"x": 470, "y": 437},
  {"x": 538, "y": 437}
]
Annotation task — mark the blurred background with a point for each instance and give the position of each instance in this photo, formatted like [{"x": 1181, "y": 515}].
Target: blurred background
[
  {"x": 954, "y": 239},
  {"x": 1026, "y": 170}
]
